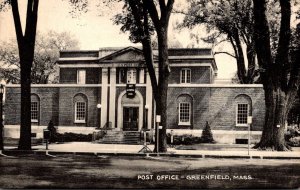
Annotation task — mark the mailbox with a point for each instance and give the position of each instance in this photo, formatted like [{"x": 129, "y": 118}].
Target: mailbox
[{"x": 46, "y": 134}]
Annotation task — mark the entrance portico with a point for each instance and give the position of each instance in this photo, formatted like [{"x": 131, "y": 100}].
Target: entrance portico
[{"x": 130, "y": 112}]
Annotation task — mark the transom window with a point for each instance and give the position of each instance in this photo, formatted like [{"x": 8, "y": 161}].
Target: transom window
[
  {"x": 185, "y": 76},
  {"x": 80, "y": 112},
  {"x": 242, "y": 114},
  {"x": 34, "y": 112},
  {"x": 81, "y": 76},
  {"x": 184, "y": 113}
]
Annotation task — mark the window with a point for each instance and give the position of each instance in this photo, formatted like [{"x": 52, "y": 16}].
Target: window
[
  {"x": 185, "y": 76},
  {"x": 131, "y": 76},
  {"x": 80, "y": 112},
  {"x": 242, "y": 114},
  {"x": 81, "y": 76},
  {"x": 34, "y": 112},
  {"x": 122, "y": 76},
  {"x": 184, "y": 113}
]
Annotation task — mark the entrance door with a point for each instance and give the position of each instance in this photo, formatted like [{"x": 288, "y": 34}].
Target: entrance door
[{"x": 130, "y": 118}]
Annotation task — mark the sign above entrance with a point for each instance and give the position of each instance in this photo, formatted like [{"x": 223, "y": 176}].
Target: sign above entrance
[{"x": 130, "y": 90}]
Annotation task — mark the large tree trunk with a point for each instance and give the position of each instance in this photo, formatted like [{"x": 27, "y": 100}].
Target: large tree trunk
[
  {"x": 164, "y": 70},
  {"x": 26, "y": 44},
  {"x": 277, "y": 108},
  {"x": 280, "y": 87},
  {"x": 25, "y": 131}
]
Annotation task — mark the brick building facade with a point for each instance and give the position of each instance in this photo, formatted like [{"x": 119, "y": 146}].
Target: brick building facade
[{"x": 92, "y": 94}]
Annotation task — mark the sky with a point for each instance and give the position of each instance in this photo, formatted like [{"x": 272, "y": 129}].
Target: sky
[{"x": 95, "y": 29}]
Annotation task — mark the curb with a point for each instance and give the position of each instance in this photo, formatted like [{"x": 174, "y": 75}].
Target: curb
[{"x": 170, "y": 154}]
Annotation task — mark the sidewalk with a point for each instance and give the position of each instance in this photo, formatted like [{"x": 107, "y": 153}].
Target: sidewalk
[{"x": 208, "y": 151}]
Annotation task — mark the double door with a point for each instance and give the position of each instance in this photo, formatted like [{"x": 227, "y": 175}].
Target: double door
[{"x": 130, "y": 118}]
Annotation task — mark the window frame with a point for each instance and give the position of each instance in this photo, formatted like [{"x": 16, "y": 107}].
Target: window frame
[
  {"x": 75, "y": 112},
  {"x": 185, "y": 79},
  {"x": 188, "y": 123},
  {"x": 133, "y": 73},
  {"x": 37, "y": 110},
  {"x": 78, "y": 76},
  {"x": 236, "y": 115},
  {"x": 120, "y": 75}
]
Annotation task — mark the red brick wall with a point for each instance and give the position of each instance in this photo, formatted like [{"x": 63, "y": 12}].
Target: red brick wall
[
  {"x": 66, "y": 105},
  {"x": 217, "y": 106},
  {"x": 213, "y": 104},
  {"x": 48, "y": 105}
]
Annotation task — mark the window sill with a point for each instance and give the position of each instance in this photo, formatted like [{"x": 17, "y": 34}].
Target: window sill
[
  {"x": 34, "y": 121},
  {"x": 241, "y": 125},
  {"x": 81, "y": 122},
  {"x": 184, "y": 124}
]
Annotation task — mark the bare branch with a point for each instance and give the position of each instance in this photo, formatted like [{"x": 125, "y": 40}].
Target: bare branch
[{"x": 224, "y": 52}]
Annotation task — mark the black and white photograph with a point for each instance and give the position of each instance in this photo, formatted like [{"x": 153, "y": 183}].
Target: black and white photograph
[{"x": 149, "y": 94}]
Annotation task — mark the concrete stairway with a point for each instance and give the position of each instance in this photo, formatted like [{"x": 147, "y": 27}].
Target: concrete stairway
[{"x": 121, "y": 137}]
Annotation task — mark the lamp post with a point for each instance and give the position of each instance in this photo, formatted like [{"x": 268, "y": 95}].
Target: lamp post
[
  {"x": 1, "y": 116},
  {"x": 249, "y": 121},
  {"x": 99, "y": 113}
]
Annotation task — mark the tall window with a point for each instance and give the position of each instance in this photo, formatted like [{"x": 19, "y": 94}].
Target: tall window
[
  {"x": 184, "y": 113},
  {"x": 80, "y": 108},
  {"x": 80, "y": 112},
  {"x": 34, "y": 111},
  {"x": 122, "y": 76},
  {"x": 242, "y": 114},
  {"x": 81, "y": 76},
  {"x": 243, "y": 108},
  {"x": 131, "y": 76},
  {"x": 185, "y": 76}
]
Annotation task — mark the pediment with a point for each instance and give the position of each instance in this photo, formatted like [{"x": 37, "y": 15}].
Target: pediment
[{"x": 129, "y": 54}]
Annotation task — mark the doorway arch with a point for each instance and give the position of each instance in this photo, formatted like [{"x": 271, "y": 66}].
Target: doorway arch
[{"x": 135, "y": 103}]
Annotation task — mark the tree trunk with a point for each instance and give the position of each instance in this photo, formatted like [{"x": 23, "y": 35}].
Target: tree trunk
[
  {"x": 25, "y": 131},
  {"x": 26, "y": 43},
  {"x": 280, "y": 92},
  {"x": 276, "y": 103},
  {"x": 251, "y": 63},
  {"x": 1, "y": 122},
  {"x": 240, "y": 59},
  {"x": 161, "y": 103}
]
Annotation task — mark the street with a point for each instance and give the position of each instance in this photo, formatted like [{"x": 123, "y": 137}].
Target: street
[{"x": 87, "y": 171}]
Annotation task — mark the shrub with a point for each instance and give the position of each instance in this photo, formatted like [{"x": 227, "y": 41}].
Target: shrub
[
  {"x": 183, "y": 139},
  {"x": 207, "y": 136},
  {"x": 291, "y": 133},
  {"x": 71, "y": 137},
  {"x": 295, "y": 142}
]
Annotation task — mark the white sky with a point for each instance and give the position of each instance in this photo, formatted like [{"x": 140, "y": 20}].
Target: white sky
[{"x": 95, "y": 29}]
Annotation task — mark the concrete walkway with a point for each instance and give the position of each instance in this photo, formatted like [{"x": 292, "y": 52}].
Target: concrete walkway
[{"x": 209, "y": 151}]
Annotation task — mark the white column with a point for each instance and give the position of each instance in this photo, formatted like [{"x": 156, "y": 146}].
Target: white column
[
  {"x": 149, "y": 100},
  {"x": 104, "y": 96},
  {"x": 142, "y": 74},
  {"x": 112, "y": 97}
]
